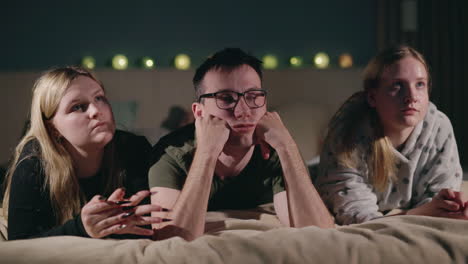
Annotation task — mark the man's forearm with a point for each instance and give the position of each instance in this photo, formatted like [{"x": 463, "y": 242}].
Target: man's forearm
[
  {"x": 305, "y": 206},
  {"x": 189, "y": 211}
]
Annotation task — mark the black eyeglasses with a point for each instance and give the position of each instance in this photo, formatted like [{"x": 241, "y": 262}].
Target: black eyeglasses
[{"x": 229, "y": 99}]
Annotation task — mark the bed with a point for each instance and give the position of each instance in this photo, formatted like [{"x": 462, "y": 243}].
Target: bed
[{"x": 256, "y": 236}]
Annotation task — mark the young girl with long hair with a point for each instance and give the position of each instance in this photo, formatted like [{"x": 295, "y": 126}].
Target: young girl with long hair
[
  {"x": 389, "y": 147},
  {"x": 72, "y": 170}
]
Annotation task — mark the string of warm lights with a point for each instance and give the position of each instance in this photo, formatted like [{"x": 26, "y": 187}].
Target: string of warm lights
[{"x": 321, "y": 60}]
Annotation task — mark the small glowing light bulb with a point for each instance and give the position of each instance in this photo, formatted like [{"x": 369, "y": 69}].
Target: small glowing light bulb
[
  {"x": 147, "y": 63},
  {"x": 88, "y": 62},
  {"x": 345, "y": 60},
  {"x": 119, "y": 62},
  {"x": 296, "y": 61},
  {"x": 321, "y": 60},
  {"x": 270, "y": 62},
  {"x": 182, "y": 62}
]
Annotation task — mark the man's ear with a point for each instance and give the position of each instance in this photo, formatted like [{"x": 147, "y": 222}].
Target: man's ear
[
  {"x": 371, "y": 97},
  {"x": 197, "y": 109}
]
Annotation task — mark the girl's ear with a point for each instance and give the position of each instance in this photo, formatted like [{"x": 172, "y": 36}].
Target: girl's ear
[
  {"x": 371, "y": 97},
  {"x": 197, "y": 109}
]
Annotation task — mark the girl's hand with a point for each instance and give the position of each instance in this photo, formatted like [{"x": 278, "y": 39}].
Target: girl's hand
[
  {"x": 447, "y": 203},
  {"x": 102, "y": 217}
]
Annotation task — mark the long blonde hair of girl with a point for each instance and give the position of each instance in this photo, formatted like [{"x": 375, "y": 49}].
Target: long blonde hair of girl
[
  {"x": 57, "y": 164},
  {"x": 382, "y": 163}
]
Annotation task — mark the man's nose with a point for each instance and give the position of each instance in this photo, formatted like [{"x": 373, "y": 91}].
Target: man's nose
[{"x": 241, "y": 108}]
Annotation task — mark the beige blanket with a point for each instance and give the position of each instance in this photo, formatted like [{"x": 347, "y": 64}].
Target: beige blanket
[{"x": 231, "y": 239}]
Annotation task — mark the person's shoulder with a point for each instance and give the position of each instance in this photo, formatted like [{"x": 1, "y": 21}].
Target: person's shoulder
[
  {"x": 31, "y": 148},
  {"x": 179, "y": 136},
  {"x": 182, "y": 138},
  {"x": 125, "y": 137},
  {"x": 438, "y": 120},
  {"x": 434, "y": 113},
  {"x": 29, "y": 162},
  {"x": 131, "y": 147},
  {"x": 178, "y": 144}
]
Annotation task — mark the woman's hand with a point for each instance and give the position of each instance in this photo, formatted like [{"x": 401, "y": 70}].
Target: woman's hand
[
  {"x": 447, "y": 203},
  {"x": 102, "y": 217}
]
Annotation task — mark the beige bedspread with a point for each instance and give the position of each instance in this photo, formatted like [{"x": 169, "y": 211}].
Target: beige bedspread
[{"x": 231, "y": 239}]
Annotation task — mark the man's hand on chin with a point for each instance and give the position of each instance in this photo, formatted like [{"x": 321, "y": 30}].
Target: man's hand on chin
[
  {"x": 271, "y": 131},
  {"x": 212, "y": 134}
]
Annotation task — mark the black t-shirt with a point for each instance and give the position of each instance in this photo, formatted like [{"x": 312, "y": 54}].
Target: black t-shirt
[
  {"x": 30, "y": 211},
  {"x": 256, "y": 184}
]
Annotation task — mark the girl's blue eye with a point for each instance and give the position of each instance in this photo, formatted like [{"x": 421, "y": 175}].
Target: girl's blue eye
[
  {"x": 79, "y": 107},
  {"x": 421, "y": 84},
  {"x": 101, "y": 98}
]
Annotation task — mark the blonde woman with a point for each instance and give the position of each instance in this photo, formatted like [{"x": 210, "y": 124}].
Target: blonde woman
[
  {"x": 388, "y": 147},
  {"x": 71, "y": 171}
]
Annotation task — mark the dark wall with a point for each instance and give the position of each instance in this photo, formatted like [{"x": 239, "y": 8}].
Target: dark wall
[{"x": 36, "y": 35}]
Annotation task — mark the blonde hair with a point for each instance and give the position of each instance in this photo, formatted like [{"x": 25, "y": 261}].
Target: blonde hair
[
  {"x": 356, "y": 109},
  {"x": 57, "y": 164}
]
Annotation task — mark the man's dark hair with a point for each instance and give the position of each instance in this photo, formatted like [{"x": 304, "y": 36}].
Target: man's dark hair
[{"x": 227, "y": 60}]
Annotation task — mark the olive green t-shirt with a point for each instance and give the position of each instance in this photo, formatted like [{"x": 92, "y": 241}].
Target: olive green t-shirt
[{"x": 255, "y": 185}]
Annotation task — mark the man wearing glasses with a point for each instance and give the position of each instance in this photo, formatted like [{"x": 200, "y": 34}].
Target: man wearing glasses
[{"x": 236, "y": 156}]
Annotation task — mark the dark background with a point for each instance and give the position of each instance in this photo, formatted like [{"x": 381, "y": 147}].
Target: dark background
[{"x": 36, "y": 35}]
